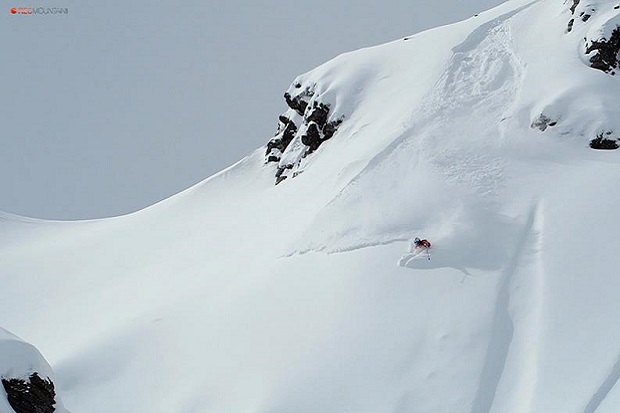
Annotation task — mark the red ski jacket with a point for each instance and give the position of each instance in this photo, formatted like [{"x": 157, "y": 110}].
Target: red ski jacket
[{"x": 423, "y": 244}]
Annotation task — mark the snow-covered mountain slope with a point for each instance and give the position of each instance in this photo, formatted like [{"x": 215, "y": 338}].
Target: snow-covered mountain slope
[{"x": 239, "y": 295}]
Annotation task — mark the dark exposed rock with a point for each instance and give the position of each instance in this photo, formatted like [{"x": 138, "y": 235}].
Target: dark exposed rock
[
  {"x": 318, "y": 113},
  {"x": 330, "y": 128},
  {"x": 603, "y": 142},
  {"x": 583, "y": 15},
  {"x": 605, "y": 56},
  {"x": 34, "y": 395},
  {"x": 280, "y": 176},
  {"x": 312, "y": 138},
  {"x": 543, "y": 122},
  {"x": 286, "y": 130},
  {"x": 298, "y": 103},
  {"x": 319, "y": 129},
  {"x": 301, "y": 139}
]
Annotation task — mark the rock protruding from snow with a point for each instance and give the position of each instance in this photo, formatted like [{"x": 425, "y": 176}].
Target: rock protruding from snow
[
  {"x": 583, "y": 13},
  {"x": 604, "y": 141},
  {"x": 27, "y": 378},
  {"x": 31, "y": 395},
  {"x": 301, "y": 130},
  {"x": 602, "y": 39},
  {"x": 604, "y": 52}
]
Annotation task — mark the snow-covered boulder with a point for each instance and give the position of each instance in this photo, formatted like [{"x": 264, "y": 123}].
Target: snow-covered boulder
[{"x": 27, "y": 379}]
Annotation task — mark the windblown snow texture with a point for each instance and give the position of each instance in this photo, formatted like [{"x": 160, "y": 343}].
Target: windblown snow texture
[{"x": 241, "y": 295}]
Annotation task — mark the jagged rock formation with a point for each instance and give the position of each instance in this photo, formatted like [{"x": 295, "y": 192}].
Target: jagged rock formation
[
  {"x": 602, "y": 44},
  {"x": 603, "y": 141},
  {"x": 582, "y": 14},
  {"x": 605, "y": 52},
  {"x": 26, "y": 377},
  {"x": 32, "y": 395},
  {"x": 301, "y": 130}
]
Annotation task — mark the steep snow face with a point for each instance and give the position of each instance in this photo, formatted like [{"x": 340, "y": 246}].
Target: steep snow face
[
  {"x": 489, "y": 65},
  {"x": 238, "y": 295}
]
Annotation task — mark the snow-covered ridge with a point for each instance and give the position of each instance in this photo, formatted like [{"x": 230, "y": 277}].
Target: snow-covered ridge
[{"x": 348, "y": 80}]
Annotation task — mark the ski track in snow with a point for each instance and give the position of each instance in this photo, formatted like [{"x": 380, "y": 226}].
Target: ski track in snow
[
  {"x": 605, "y": 388},
  {"x": 532, "y": 325},
  {"x": 504, "y": 327}
]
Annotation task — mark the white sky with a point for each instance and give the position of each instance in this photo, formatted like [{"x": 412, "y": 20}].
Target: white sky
[{"x": 118, "y": 105}]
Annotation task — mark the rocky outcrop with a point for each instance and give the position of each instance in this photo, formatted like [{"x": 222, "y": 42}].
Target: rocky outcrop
[
  {"x": 27, "y": 378},
  {"x": 302, "y": 129},
  {"x": 604, "y": 141},
  {"x": 605, "y": 52},
  {"x": 602, "y": 40},
  {"x": 285, "y": 134},
  {"x": 32, "y": 395},
  {"x": 583, "y": 15}
]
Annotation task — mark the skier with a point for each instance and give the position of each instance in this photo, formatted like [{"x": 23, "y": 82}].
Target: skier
[{"x": 419, "y": 244}]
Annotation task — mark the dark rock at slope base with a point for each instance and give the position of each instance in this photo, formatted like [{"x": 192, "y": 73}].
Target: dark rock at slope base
[
  {"x": 34, "y": 395},
  {"x": 603, "y": 142},
  {"x": 606, "y": 52}
]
